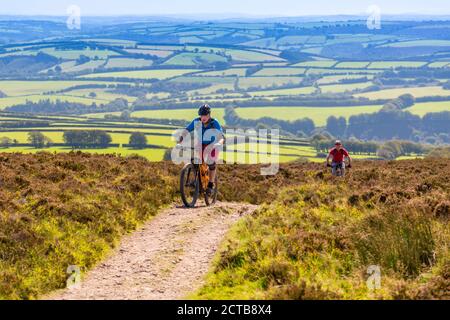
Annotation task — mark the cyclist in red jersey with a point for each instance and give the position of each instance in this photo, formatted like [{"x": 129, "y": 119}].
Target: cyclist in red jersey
[{"x": 337, "y": 155}]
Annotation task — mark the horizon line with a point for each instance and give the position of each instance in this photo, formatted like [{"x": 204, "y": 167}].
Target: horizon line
[{"x": 229, "y": 15}]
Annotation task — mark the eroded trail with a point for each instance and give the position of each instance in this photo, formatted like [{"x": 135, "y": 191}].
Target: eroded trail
[{"x": 165, "y": 259}]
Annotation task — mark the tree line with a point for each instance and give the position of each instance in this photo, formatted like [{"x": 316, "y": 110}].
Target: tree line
[
  {"x": 392, "y": 122},
  {"x": 47, "y": 106},
  {"x": 388, "y": 150},
  {"x": 77, "y": 139}
]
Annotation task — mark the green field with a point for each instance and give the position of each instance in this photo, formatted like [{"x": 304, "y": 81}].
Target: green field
[
  {"x": 283, "y": 92},
  {"x": 88, "y": 66},
  {"x": 121, "y": 138},
  {"x": 324, "y": 71},
  {"x": 280, "y": 72},
  {"x": 318, "y": 114},
  {"x": 264, "y": 82},
  {"x": 319, "y": 64},
  {"x": 23, "y": 88},
  {"x": 344, "y": 87},
  {"x": 143, "y": 74},
  {"x": 357, "y": 65},
  {"x": 415, "y": 91},
  {"x": 177, "y": 114},
  {"x": 236, "y": 54},
  {"x": 75, "y": 54},
  {"x": 441, "y": 64},
  {"x": 396, "y": 64},
  {"x": 10, "y": 101},
  {"x": 204, "y": 80},
  {"x": 127, "y": 63},
  {"x": 193, "y": 59},
  {"x": 425, "y": 107},
  {"x": 158, "y": 53},
  {"x": 211, "y": 90},
  {"x": 101, "y": 94},
  {"x": 228, "y": 72}
]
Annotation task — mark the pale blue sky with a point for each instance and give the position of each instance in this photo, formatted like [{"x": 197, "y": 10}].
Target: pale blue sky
[{"x": 248, "y": 7}]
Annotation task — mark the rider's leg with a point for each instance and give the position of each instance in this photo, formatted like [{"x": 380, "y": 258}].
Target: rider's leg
[
  {"x": 212, "y": 167},
  {"x": 333, "y": 168},
  {"x": 343, "y": 169},
  {"x": 212, "y": 173},
  {"x": 212, "y": 176}
]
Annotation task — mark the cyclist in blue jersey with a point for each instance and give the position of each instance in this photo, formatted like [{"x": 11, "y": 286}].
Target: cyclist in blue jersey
[{"x": 216, "y": 137}]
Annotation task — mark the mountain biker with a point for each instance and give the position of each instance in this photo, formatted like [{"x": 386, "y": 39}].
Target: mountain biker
[
  {"x": 208, "y": 123},
  {"x": 338, "y": 155}
]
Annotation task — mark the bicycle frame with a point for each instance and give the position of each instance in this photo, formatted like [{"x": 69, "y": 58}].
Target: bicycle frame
[{"x": 200, "y": 174}]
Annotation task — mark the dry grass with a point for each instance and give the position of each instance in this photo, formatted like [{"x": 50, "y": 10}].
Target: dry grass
[
  {"x": 312, "y": 239},
  {"x": 316, "y": 237},
  {"x": 70, "y": 209}
]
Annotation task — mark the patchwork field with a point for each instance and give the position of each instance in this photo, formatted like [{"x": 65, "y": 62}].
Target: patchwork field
[
  {"x": 415, "y": 91},
  {"x": 161, "y": 73},
  {"x": 145, "y": 74},
  {"x": 318, "y": 114}
]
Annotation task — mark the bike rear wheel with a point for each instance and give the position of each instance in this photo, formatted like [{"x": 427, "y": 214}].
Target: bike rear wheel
[
  {"x": 212, "y": 198},
  {"x": 189, "y": 185},
  {"x": 338, "y": 170}
]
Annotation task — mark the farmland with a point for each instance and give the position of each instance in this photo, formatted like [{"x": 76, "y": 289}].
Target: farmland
[
  {"x": 261, "y": 69},
  {"x": 318, "y": 115}
]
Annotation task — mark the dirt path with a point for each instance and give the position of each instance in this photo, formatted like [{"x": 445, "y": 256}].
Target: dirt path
[{"x": 166, "y": 259}]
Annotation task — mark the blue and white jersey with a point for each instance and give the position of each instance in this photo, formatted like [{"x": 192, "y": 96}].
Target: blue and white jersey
[{"x": 213, "y": 124}]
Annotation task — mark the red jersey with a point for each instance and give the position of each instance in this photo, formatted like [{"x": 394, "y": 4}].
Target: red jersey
[{"x": 338, "y": 156}]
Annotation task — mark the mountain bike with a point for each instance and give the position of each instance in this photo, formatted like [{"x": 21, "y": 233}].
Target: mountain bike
[
  {"x": 338, "y": 169},
  {"x": 194, "y": 179}
]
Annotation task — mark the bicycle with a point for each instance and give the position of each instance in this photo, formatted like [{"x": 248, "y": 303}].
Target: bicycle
[
  {"x": 194, "y": 179},
  {"x": 338, "y": 169}
]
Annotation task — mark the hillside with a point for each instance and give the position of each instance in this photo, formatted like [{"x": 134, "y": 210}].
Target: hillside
[
  {"x": 71, "y": 208},
  {"x": 320, "y": 235}
]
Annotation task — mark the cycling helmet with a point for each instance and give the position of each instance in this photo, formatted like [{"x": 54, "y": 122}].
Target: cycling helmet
[
  {"x": 204, "y": 110},
  {"x": 338, "y": 143}
]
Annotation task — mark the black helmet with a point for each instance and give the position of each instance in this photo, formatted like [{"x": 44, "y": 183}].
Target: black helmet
[{"x": 204, "y": 110}]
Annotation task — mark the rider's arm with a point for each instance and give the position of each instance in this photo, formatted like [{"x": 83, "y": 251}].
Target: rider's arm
[
  {"x": 328, "y": 158},
  {"x": 189, "y": 128},
  {"x": 349, "y": 160},
  {"x": 221, "y": 138},
  {"x": 347, "y": 155}
]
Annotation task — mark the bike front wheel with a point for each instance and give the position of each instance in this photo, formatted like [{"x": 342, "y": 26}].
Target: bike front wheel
[{"x": 189, "y": 185}]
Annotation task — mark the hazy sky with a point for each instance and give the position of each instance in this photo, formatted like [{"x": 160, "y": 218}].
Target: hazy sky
[{"x": 248, "y": 7}]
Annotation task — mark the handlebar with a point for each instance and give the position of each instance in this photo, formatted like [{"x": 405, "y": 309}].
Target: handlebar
[{"x": 181, "y": 147}]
